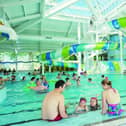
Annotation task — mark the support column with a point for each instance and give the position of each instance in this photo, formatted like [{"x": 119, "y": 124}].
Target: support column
[
  {"x": 43, "y": 70},
  {"x": 49, "y": 68},
  {"x": 121, "y": 51},
  {"x": 79, "y": 54},
  {"x": 16, "y": 60}
]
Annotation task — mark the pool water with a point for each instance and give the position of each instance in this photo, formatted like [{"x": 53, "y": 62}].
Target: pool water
[{"x": 24, "y": 108}]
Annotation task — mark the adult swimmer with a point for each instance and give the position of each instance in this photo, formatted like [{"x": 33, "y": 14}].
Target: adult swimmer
[
  {"x": 53, "y": 108},
  {"x": 110, "y": 98},
  {"x": 36, "y": 85}
]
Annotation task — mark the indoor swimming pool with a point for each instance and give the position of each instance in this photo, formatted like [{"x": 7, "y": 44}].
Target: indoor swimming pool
[{"x": 24, "y": 108}]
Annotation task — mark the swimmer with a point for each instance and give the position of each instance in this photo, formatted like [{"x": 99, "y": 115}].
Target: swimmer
[
  {"x": 74, "y": 76},
  {"x": 110, "y": 99},
  {"x": 53, "y": 108},
  {"x": 94, "y": 104},
  {"x": 78, "y": 81},
  {"x": 68, "y": 82},
  {"x": 82, "y": 107}
]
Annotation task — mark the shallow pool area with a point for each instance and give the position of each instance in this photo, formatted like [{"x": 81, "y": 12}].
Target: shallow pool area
[{"x": 24, "y": 108}]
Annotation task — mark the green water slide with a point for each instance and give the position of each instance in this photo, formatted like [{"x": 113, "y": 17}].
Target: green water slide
[{"x": 117, "y": 66}]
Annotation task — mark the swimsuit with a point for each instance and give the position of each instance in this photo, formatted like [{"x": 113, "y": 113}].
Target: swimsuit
[
  {"x": 57, "y": 118},
  {"x": 114, "y": 109}
]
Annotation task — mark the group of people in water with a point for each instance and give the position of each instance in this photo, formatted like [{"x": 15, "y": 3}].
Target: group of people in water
[{"x": 54, "y": 109}]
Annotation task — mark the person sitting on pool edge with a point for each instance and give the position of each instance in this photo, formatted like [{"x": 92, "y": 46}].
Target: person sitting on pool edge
[
  {"x": 53, "y": 108},
  {"x": 110, "y": 98}
]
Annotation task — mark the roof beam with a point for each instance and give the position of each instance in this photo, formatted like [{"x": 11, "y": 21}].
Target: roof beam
[
  {"x": 79, "y": 8},
  {"x": 15, "y": 3},
  {"x": 23, "y": 10},
  {"x": 59, "y": 7},
  {"x": 69, "y": 29},
  {"x": 115, "y": 10},
  {"x": 70, "y": 18},
  {"x": 42, "y": 10},
  {"x": 27, "y": 25},
  {"x": 14, "y": 20},
  {"x": 44, "y": 38},
  {"x": 93, "y": 10},
  {"x": 108, "y": 5}
]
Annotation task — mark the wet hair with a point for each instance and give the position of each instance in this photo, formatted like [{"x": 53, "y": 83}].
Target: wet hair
[
  {"x": 32, "y": 78},
  {"x": 89, "y": 79},
  {"x": 83, "y": 99},
  {"x": 74, "y": 74},
  {"x": 37, "y": 79},
  {"x": 29, "y": 73},
  {"x": 23, "y": 78},
  {"x": 109, "y": 83},
  {"x": 59, "y": 83},
  {"x": 78, "y": 79},
  {"x": 93, "y": 108},
  {"x": 102, "y": 76},
  {"x": 67, "y": 78}
]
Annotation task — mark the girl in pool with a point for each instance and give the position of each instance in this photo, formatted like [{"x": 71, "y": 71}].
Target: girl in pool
[
  {"x": 74, "y": 76},
  {"x": 82, "y": 107},
  {"x": 78, "y": 81},
  {"x": 44, "y": 81},
  {"x": 67, "y": 82},
  {"x": 110, "y": 99},
  {"x": 94, "y": 104}
]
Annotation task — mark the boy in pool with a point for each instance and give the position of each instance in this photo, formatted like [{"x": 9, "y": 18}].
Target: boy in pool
[{"x": 110, "y": 99}]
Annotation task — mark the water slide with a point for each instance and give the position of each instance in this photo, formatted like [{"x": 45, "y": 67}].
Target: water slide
[
  {"x": 70, "y": 50},
  {"x": 111, "y": 66},
  {"x": 6, "y": 32},
  {"x": 117, "y": 66},
  {"x": 118, "y": 23}
]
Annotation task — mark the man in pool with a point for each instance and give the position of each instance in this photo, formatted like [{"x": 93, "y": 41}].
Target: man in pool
[{"x": 53, "y": 108}]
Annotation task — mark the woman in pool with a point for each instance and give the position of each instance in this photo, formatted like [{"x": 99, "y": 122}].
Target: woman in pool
[
  {"x": 110, "y": 99},
  {"x": 94, "y": 104},
  {"x": 44, "y": 81},
  {"x": 82, "y": 107}
]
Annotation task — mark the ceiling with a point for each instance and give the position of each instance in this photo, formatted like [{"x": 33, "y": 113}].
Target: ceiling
[{"x": 46, "y": 25}]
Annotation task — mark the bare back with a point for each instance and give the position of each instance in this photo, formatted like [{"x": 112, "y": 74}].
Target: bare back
[
  {"x": 112, "y": 96},
  {"x": 51, "y": 103}
]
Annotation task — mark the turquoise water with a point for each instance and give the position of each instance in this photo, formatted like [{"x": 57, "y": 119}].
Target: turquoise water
[{"x": 24, "y": 108}]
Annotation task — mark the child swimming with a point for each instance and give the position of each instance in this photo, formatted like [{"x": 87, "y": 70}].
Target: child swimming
[
  {"x": 67, "y": 83},
  {"x": 78, "y": 81},
  {"x": 82, "y": 107},
  {"x": 94, "y": 104}
]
